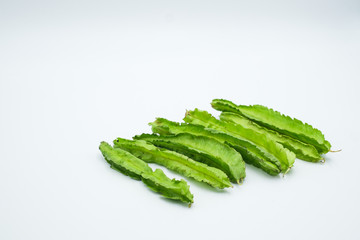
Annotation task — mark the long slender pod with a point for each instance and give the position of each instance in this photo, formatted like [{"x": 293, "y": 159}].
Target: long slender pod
[
  {"x": 278, "y": 122},
  {"x": 174, "y": 161},
  {"x": 285, "y": 157},
  {"x": 302, "y": 150},
  {"x": 251, "y": 153},
  {"x": 157, "y": 181},
  {"x": 202, "y": 149}
]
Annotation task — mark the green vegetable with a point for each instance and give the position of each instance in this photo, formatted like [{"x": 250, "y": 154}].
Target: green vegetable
[
  {"x": 251, "y": 153},
  {"x": 282, "y": 155},
  {"x": 278, "y": 122},
  {"x": 157, "y": 181},
  {"x": 174, "y": 161},
  {"x": 202, "y": 149},
  {"x": 302, "y": 150}
]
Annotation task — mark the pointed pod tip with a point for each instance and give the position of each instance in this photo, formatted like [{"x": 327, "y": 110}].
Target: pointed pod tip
[
  {"x": 334, "y": 151},
  {"x": 240, "y": 181},
  {"x": 187, "y": 113},
  {"x": 284, "y": 173}
]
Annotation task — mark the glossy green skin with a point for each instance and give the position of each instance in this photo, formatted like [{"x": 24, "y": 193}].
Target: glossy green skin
[
  {"x": 202, "y": 149},
  {"x": 174, "y": 161},
  {"x": 251, "y": 153},
  {"x": 157, "y": 181},
  {"x": 124, "y": 162},
  {"x": 302, "y": 150},
  {"x": 169, "y": 188},
  {"x": 281, "y": 154},
  {"x": 278, "y": 122}
]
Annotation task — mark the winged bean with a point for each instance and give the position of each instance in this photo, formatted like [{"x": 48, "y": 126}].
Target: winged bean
[
  {"x": 157, "y": 181},
  {"x": 202, "y": 149},
  {"x": 174, "y": 161},
  {"x": 276, "y": 121}
]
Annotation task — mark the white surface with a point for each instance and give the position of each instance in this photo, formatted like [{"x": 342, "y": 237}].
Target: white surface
[{"x": 74, "y": 73}]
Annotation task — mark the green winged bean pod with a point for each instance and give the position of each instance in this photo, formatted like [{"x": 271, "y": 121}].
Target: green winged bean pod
[
  {"x": 276, "y": 121},
  {"x": 251, "y": 153},
  {"x": 157, "y": 181},
  {"x": 283, "y": 155},
  {"x": 202, "y": 149},
  {"x": 302, "y": 150},
  {"x": 174, "y": 161}
]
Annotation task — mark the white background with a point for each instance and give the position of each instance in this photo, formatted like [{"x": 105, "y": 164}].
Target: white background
[{"x": 74, "y": 73}]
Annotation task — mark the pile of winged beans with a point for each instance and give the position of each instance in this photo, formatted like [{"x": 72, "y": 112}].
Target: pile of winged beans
[{"x": 214, "y": 151}]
